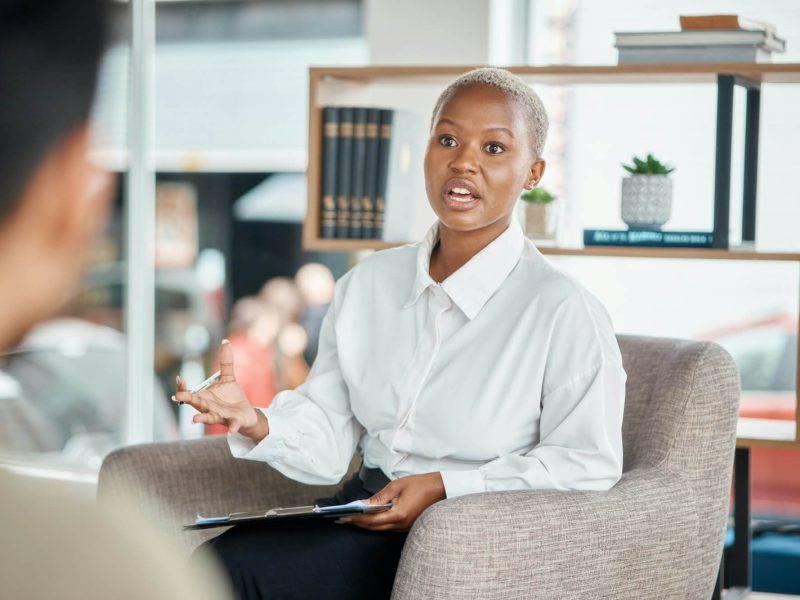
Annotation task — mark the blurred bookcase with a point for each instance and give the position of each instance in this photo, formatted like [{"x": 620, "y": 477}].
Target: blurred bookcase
[{"x": 416, "y": 88}]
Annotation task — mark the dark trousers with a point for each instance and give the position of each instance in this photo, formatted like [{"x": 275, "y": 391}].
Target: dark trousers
[{"x": 311, "y": 559}]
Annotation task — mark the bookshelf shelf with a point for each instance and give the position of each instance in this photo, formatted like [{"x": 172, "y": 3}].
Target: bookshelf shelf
[
  {"x": 682, "y": 253},
  {"x": 410, "y": 85},
  {"x": 574, "y": 74}
]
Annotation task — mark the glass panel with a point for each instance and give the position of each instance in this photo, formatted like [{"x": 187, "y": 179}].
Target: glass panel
[{"x": 231, "y": 137}]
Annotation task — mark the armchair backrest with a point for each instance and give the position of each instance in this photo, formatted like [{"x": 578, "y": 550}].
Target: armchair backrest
[{"x": 681, "y": 406}]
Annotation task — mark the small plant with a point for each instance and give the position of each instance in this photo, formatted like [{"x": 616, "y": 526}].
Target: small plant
[
  {"x": 537, "y": 196},
  {"x": 650, "y": 166}
]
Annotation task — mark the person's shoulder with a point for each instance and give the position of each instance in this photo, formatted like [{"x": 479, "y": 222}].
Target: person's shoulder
[
  {"x": 571, "y": 307},
  {"x": 380, "y": 267},
  {"x": 547, "y": 282}
]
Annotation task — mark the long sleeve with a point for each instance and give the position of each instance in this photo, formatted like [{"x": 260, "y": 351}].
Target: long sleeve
[
  {"x": 580, "y": 447},
  {"x": 312, "y": 431}
]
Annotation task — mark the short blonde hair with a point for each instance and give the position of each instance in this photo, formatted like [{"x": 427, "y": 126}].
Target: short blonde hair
[{"x": 533, "y": 108}]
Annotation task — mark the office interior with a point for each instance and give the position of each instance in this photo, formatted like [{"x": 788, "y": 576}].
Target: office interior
[{"x": 219, "y": 103}]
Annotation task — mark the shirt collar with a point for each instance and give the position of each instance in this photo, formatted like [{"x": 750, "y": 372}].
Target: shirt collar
[{"x": 474, "y": 283}]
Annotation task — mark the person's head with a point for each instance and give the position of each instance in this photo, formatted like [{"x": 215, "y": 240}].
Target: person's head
[
  {"x": 488, "y": 131},
  {"x": 52, "y": 200},
  {"x": 282, "y": 294},
  {"x": 315, "y": 283},
  {"x": 244, "y": 313}
]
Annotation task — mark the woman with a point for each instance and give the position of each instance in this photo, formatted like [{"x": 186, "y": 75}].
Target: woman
[{"x": 465, "y": 363}]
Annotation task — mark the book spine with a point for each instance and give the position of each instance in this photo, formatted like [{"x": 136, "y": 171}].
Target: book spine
[
  {"x": 384, "y": 142},
  {"x": 635, "y": 237},
  {"x": 370, "y": 174},
  {"x": 690, "y": 22},
  {"x": 709, "y": 21},
  {"x": 345, "y": 156},
  {"x": 330, "y": 129},
  {"x": 357, "y": 176}
]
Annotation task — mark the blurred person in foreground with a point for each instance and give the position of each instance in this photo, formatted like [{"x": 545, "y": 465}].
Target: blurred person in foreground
[{"x": 52, "y": 203}]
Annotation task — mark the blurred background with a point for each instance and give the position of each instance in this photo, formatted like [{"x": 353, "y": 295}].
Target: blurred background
[{"x": 229, "y": 120}]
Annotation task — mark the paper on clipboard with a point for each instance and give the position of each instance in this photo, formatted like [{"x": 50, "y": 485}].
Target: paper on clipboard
[{"x": 351, "y": 508}]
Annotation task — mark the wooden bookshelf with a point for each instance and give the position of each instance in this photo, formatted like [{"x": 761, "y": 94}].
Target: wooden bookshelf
[
  {"x": 343, "y": 85},
  {"x": 363, "y": 85}
]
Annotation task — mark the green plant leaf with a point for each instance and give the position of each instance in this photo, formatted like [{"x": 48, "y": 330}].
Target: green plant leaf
[
  {"x": 650, "y": 165},
  {"x": 537, "y": 195}
]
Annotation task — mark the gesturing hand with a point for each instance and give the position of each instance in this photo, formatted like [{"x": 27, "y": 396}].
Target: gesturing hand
[
  {"x": 225, "y": 402},
  {"x": 409, "y": 496}
]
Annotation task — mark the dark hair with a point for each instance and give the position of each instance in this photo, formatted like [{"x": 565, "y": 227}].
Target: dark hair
[{"x": 49, "y": 56}]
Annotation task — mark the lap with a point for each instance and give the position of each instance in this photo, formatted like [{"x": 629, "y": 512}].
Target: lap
[{"x": 315, "y": 558}]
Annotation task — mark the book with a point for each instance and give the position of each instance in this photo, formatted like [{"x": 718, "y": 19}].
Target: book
[
  {"x": 689, "y": 22},
  {"x": 357, "y": 507},
  {"x": 384, "y": 138},
  {"x": 693, "y": 54},
  {"x": 703, "y": 38},
  {"x": 344, "y": 152},
  {"x": 645, "y": 237},
  {"x": 330, "y": 132},
  {"x": 370, "y": 174},
  {"x": 359, "y": 168}
]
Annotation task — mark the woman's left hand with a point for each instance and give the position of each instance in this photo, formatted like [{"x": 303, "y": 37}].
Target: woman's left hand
[{"x": 409, "y": 496}]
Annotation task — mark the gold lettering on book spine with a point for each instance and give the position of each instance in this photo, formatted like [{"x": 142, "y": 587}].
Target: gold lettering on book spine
[
  {"x": 367, "y": 216},
  {"x": 343, "y": 217},
  {"x": 386, "y": 131},
  {"x": 379, "y": 207},
  {"x": 328, "y": 216},
  {"x": 372, "y": 130},
  {"x": 331, "y": 129},
  {"x": 346, "y": 129},
  {"x": 359, "y": 130}
]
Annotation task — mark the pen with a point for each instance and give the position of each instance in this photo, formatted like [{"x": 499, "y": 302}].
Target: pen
[{"x": 205, "y": 385}]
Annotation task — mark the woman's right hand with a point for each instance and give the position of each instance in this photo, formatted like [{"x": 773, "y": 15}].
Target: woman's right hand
[{"x": 225, "y": 402}]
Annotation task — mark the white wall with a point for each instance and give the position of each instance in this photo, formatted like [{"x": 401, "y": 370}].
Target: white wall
[{"x": 424, "y": 32}]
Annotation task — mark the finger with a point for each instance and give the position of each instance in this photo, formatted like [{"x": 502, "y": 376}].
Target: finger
[
  {"x": 384, "y": 518},
  {"x": 226, "y": 362},
  {"x": 181, "y": 383},
  {"x": 386, "y": 527},
  {"x": 387, "y": 494},
  {"x": 208, "y": 418},
  {"x": 209, "y": 401},
  {"x": 189, "y": 398}
]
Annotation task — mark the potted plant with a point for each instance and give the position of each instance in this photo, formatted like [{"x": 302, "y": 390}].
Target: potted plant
[
  {"x": 540, "y": 213},
  {"x": 646, "y": 194}
]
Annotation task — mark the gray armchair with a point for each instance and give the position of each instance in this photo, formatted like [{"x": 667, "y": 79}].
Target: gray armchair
[{"x": 657, "y": 534}]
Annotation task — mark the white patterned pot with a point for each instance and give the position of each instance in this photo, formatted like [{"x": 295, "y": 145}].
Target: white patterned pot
[
  {"x": 646, "y": 201},
  {"x": 541, "y": 219}
]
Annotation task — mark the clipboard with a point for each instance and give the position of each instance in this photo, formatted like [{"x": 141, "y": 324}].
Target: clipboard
[{"x": 357, "y": 507}]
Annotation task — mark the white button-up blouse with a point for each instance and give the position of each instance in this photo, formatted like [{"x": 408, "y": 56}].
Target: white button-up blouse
[{"x": 505, "y": 376}]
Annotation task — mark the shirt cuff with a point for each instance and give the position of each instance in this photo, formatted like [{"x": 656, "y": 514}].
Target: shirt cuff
[
  {"x": 458, "y": 483},
  {"x": 281, "y": 440}
]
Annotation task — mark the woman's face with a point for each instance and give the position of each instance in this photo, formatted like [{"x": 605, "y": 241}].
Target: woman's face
[{"x": 479, "y": 158}]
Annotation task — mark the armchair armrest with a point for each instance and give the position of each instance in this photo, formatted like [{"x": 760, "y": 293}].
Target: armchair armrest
[
  {"x": 173, "y": 482},
  {"x": 551, "y": 544}
]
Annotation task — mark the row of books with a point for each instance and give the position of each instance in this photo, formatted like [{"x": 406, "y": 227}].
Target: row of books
[
  {"x": 702, "y": 38},
  {"x": 365, "y": 156}
]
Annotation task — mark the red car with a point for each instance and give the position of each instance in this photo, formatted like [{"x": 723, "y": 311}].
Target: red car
[{"x": 766, "y": 353}]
